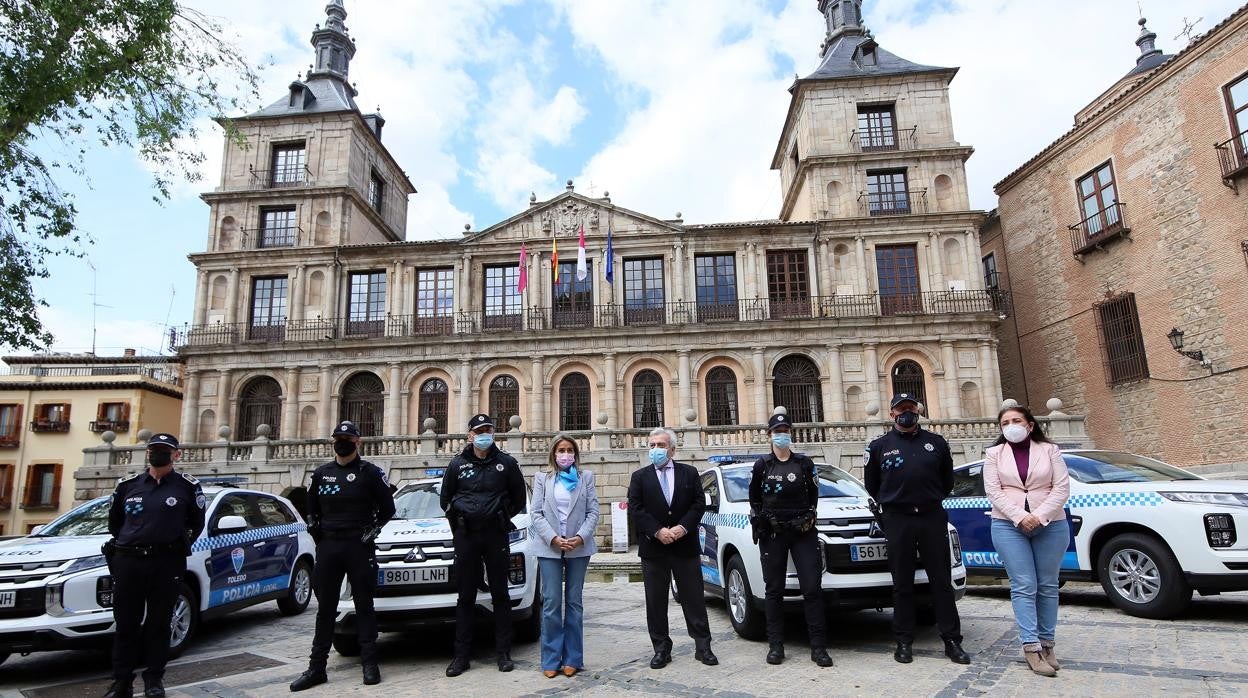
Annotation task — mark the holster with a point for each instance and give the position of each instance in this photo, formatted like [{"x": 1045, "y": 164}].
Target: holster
[
  {"x": 109, "y": 549},
  {"x": 800, "y": 523},
  {"x": 760, "y": 527}
]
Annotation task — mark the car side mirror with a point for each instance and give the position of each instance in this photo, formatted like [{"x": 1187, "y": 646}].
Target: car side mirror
[
  {"x": 230, "y": 524},
  {"x": 36, "y": 529},
  {"x": 709, "y": 503}
]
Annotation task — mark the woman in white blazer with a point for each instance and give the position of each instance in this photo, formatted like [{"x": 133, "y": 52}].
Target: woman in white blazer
[
  {"x": 1027, "y": 482},
  {"x": 564, "y": 518}
]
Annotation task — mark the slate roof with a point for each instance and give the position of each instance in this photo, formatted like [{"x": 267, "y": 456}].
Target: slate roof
[
  {"x": 839, "y": 62},
  {"x": 328, "y": 95}
]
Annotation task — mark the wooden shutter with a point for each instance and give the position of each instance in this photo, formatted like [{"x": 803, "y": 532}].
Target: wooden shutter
[
  {"x": 56, "y": 486},
  {"x": 101, "y": 412},
  {"x": 65, "y": 412},
  {"x": 6, "y": 486},
  {"x": 125, "y": 411},
  {"x": 32, "y": 473}
]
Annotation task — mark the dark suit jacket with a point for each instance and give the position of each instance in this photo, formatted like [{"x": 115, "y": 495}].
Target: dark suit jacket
[{"x": 651, "y": 511}]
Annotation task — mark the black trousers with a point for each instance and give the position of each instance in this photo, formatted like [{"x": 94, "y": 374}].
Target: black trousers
[
  {"x": 927, "y": 533},
  {"x": 143, "y": 585},
  {"x": 476, "y": 549},
  {"x": 775, "y": 560},
  {"x": 657, "y": 574},
  {"x": 354, "y": 559}
]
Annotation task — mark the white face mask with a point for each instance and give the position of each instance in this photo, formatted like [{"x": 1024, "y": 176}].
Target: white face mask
[{"x": 1015, "y": 433}]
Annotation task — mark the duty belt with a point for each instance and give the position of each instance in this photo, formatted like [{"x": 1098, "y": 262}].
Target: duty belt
[
  {"x": 911, "y": 509},
  {"x": 148, "y": 550}
]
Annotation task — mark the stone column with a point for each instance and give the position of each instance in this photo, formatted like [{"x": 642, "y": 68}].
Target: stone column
[
  {"x": 466, "y": 407},
  {"x": 836, "y": 387},
  {"x": 747, "y": 270},
  {"x": 987, "y": 391},
  {"x": 826, "y": 289},
  {"x": 223, "y": 400},
  {"x": 935, "y": 259},
  {"x": 951, "y": 405},
  {"x": 289, "y": 427},
  {"x": 814, "y": 270},
  {"x": 537, "y": 397},
  {"x": 683, "y": 380},
  {"x": 395, "y": 294},
  {"x": 394, "y": 403},
  {"x": 231, "y": 297},
  {"x": 974, "y": 279},
  {"x": 610, "y": 390},
  {"x": 325, "y": 418},
  {"x": 678, "y": 264},
  {"x": 871, "y": 371},
  {"x": 994, "y": 370},
  {"x": 294, "y": 303},
  {"x": 201, "y": 298},
  {"x": 863, "y": 277},
  {"x": 190, "y": 408},
  {"x": 760, "y": 388}
]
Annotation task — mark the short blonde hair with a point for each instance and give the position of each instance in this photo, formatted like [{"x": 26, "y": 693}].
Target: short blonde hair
[{"x": 560, "y": 438}]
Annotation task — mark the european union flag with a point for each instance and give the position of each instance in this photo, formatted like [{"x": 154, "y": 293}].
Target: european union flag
[{"x": 610, "y": 266}]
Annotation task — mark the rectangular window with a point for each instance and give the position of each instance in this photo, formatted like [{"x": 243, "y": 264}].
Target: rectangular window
[
  {"x": 877, "y": 128},
  {"x": 43, "y": 486},
  {"x": 1122, "y": 344},
  {"x": 268, "y": 309},
  {"x": 7, "y": 472},
  {"x": 376, "y": 191},
  {"x": 1098, "y": 197},
  {"x": 716, "y": 276},
  {"x": 435, "y": 301},
  {"x": 574, "y": 300},
  {"x": 10, "y": 425},
  {"x": 788, "y": 284},
  {"x": 366, "y": 306},
  {"x": 887, "y": 193},
  {"x": 1237, "y": 105},
  {"x": 991, "y": 279},
  {"x": 502, "y": 298},
  {"x": 112, "y": 416},
  {"x": 643, "y": 291},
  {"x": 290, "y": 165},
  {"x": 277, "y": 227},
  {"x": 897, "y": 269},
  {"x": 51, "y": 417}
]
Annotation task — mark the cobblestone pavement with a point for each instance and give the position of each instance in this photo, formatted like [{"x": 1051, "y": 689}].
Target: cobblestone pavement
[{"x": 1103, "y": 652}]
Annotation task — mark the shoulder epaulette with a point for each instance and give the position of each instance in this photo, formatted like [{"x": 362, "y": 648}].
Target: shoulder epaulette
[
  {"x": 188, "y": 477},
  {"x": 126, "y": 478}
]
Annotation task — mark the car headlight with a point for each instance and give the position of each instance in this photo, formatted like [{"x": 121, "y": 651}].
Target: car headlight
[
  {"x": 517, "y": 535},
  {"x": 86, "y": 563},
  {"x": 1221, "y": 499}
]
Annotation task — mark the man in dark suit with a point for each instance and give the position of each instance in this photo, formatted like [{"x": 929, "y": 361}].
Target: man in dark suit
[{"x": 666, "y": 501}]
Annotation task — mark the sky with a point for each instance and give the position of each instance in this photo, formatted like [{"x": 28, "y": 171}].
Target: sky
[{"x": 670, "y": 105}]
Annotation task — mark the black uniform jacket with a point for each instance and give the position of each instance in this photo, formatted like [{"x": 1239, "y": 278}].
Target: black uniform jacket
[
  {"x": 482, "y": 489},
  {"x": 909, "y": 471},
  {"x": 348, "y": 499},
  {"x": 145, "y": 511}
]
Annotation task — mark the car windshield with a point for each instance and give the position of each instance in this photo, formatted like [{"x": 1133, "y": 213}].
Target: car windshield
[
  {"x": 90, "y": 519},
  {"x": 419, "y": 501},
  {"x": 1109, "y": 466},
  {"x": 833, "y": 483}
]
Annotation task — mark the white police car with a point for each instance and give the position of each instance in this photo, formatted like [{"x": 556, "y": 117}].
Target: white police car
[
  {"x": 416, "y": 574},
  {"x": 56, "y": 593},
  {"x": 1150, "y": 533},
  {"x": 853, "y": 551}
]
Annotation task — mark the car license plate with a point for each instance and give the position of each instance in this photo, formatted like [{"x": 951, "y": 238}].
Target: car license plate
[
  {"x": 414, "y": 575},
  {"x": 868, "y": 552},
  {"x": 8, "y": 599}
]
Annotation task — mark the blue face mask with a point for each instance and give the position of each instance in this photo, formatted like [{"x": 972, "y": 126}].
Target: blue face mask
[
  {"x": 483, "y": 441},
  {"x": 781, "y": 440},
  {"x": 658, "y": 456}
]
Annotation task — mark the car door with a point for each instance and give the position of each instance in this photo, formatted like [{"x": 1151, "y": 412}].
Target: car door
[
  {"x": 969, "y": 511},
  {"x": 275, "y": 522},
  {"x": 236, "y": 557},
  {"x": 708, "y": 532}
]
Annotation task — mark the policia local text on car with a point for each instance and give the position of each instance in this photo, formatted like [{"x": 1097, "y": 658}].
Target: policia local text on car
[{"x": 349, "y": 500}]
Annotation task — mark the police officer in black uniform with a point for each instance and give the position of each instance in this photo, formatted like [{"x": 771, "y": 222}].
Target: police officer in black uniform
[
  {"x": 909, "y": 472},
  {"x": 153, "y": 518},
  {"x": 349, "y": 500},
  {"x": 481, "y": 490},
  {"x": 784, "y": 496}
]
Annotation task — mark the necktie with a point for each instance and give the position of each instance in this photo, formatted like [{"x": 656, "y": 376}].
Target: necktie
[{"x": 667, "y": 492}]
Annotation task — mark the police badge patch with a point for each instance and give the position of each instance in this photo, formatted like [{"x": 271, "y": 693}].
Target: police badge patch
[
  {"x": 350, "y": 477},
  {"x": 200, "y": 501},
  {"x": 866, "y": 457},
  {"x": 929, "y": 447},
  {"x": 172, "y": 501},
  {"x": 792, "y": 477},
  {"x": 499, "y": 467}
]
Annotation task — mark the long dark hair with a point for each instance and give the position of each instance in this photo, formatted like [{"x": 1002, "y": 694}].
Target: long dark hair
[{"x": 1037, "y": 433}]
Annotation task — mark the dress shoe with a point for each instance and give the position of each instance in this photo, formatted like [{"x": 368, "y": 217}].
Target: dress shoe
[
  {"x": 820, "y": 656},
  {"x": 570, "y": 671},
  {"x": 457, "y": 666},
  {"x": 504, "y": 661},
  {"x": 121, "y": 689},
  {"x": 549, "y": 673},
  {"x": 955, "y": 653},
  {"x": 706, "y": 656},
  {"x": 372, "y": 674},
  {"x": 775, "y": 653},
  {"x": 904, "y": 653},
  {"x": 660, "y": 660},
  {"x": 308, "y": 679}
]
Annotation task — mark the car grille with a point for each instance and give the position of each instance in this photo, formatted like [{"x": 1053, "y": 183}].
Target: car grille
[
  {"x": 30, "y": 603},
  {"x": 24, "y": 573},
  {"x": 429, "y": 550},
  {"x": 845, "y": 528}
]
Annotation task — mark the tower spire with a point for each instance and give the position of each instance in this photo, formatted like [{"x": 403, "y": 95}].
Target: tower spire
[
  {"x": 1147, "y": 42},
  {"x": 334, "y": 47},
  {"x": 843, "y": 17}
]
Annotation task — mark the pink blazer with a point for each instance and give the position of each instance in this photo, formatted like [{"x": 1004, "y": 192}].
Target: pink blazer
[{"x": 1045, "y": 492}]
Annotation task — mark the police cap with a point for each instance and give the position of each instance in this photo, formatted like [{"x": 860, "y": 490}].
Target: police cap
[
  {"x": 480, "y": 420},
  {"x": 345, "y": 429},
  {"x": 777, "y": 420},
  {"x": 903, "y": 397},
  {"x": 168, "y": 440}
]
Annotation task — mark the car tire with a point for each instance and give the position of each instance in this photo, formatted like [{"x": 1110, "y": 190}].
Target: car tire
[
  {"x": 185, "y": 621},
  {"x": 4, "y": 656},
  {"x": 745, "y": 617},
  {"x": 530, "y": 629},
  {"x": 347, "y": 645},
  {"x": 1142, "y": 577},
  {"x": 299, "y": 594}
]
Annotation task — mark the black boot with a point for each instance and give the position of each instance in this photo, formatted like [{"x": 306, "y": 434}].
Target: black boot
[
  {"x": 504, "y": 661},
  {"x": 904, "y": 652},
  {"x": 775, "y": 653},
  {"x": 372, "y": 674},
  {"x": 820, "y": 656},
  {"x": 121, "y": 688},
  {"x": 457, "y": 666},
  {"x": 153, "y": 688},
  {"x": 955, "y": 653},
  {"x": 308, "y": 679}
]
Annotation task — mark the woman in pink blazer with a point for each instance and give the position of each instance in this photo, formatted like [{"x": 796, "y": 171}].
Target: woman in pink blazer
[{"x": 1027, "y": 483}]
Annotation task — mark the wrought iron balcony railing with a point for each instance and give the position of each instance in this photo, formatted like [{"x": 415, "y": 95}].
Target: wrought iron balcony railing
[
  {"x": 1233, "y": 158},
  {"x": 1099, "y": 228},
  {"x": 280, "y": 177},
  {"x": 50, "y": 426},
  {"x": 265, "y": 238},
  {"x": 883, "y": 140},
  {"x": 103, "y": 425},
  {"x": 898, "y": 203}
]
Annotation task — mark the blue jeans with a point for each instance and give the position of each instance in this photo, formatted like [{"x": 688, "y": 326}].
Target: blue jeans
[
  {"x": 1032, "y": 562},
  {"x": 563, "y": 613}
]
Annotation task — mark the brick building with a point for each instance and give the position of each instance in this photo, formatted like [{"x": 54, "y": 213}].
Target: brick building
[{"x": 1124, "y": 245}]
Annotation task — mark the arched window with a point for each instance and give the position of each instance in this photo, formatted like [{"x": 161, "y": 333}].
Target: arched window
[
  {"x": 854, "y": 407},
  {"x": 207, "y": 432},
  {"x": 647, "y": 400},
  {"x": 971, "y": 405},
  {"x": 433, "y": 403},
  {"x": 721, "y": 397},
  {"x": 796, "y": 386},
  {"x": 907, "y": 378},
  {"x": 307, "y": 423},
  {"x": 504, "y": 401},
  {"x": 259, "y": 402},
  {"x": 363, "y": 402},
  {"x": 574, "y": 402}
]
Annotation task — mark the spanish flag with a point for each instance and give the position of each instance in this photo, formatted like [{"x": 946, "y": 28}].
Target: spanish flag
[{"x": 554, "y": 258}]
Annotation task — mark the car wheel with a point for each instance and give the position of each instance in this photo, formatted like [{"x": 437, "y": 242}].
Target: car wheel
[
  {"x": 300, "y": 591},
  {"x": 530, "y": 629},
  {"x": 185, "y": 621},
  {"x": 1141, "y": 577},
  {"x": 347, "y": 645},
  {"x": 746, "y": 619},
  {"x": 4, "y": 656}
]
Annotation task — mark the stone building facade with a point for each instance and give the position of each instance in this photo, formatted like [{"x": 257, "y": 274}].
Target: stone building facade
[
  {"x": 1127, "y": 237},
  {"x": 311, "y": 308}
]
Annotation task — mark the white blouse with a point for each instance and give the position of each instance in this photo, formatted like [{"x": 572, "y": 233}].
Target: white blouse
[{"x": 563, "y": 505}]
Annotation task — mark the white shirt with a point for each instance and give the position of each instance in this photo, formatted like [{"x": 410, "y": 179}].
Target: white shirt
[
  {"x": 563, "y": 506},
  {"x": 668, "y": 473}
]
